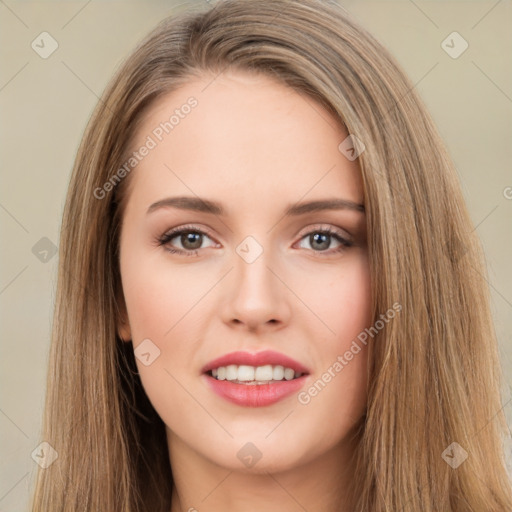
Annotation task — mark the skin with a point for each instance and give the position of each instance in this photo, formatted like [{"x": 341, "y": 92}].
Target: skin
[{"x": 255, "y": 146}]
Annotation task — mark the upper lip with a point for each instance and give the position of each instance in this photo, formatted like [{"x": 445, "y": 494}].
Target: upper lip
[{"x": 255, "y": 359}]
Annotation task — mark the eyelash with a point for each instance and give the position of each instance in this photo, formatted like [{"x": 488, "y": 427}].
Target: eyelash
[{"x": 167, "y": 237}]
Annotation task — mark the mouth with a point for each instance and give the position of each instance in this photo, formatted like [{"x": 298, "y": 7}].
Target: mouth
[{"x": 255, "y": 379}]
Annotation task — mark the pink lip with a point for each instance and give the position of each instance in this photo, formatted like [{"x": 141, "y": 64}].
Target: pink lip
[
  {"x": 255, "y": 395},
  {"x": 255, "y": 359}
]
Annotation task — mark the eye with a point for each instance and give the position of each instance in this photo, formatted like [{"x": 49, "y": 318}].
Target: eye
[
  {"x": 190, "y": 238},
  {"x": 321, "y": 239}
]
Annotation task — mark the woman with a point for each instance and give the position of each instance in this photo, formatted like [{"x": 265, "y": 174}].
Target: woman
[{"x": 207, "y": 353}]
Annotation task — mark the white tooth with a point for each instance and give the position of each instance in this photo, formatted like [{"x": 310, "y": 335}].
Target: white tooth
[
  {"x": 231, "y": 372},
  {"x": 214, "y": 372},
  {"x": 245, "y": 373},
  {"x": 221, "y": 373},
  {"x": 263, "y": 372},
  {"x": 289, "y": 373},
  {"x": 297, "y": 374},
  {"x": 278, "y": 372}
]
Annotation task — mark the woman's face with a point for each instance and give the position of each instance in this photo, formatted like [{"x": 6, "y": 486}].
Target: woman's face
[{"x": 268, "y": 291}]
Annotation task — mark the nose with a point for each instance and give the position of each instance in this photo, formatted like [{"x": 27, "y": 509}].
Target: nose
[{"x": 257, "y": 299}]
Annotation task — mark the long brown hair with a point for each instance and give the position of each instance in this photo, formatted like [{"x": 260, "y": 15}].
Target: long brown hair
[{"x": 434, "y": 374}]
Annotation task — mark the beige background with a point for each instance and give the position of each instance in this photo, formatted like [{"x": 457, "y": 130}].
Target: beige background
[{"x": 46, "y": 103}]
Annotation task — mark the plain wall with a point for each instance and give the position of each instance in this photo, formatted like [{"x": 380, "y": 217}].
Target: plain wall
[{"x": 45, "y": 104}]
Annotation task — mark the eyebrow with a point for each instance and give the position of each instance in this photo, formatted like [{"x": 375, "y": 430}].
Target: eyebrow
[{"x": 214, "y": 208}]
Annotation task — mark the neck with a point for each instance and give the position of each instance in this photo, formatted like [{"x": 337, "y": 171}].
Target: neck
[{"x": 320, "y": 484}]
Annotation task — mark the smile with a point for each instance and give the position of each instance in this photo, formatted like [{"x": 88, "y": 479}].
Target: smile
[{"x": 254, "y": 380}]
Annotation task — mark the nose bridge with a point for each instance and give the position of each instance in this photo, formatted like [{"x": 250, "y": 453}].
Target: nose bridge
[
  {"x": 253, "y": 277},
  {"x": 257, "y": 296}
]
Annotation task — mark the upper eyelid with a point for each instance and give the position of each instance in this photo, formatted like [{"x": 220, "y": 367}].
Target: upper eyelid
[{"x": 176, "y": 231}]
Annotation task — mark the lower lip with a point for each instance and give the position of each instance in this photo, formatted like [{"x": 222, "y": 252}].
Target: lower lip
[{"x": 255, "y": 395}]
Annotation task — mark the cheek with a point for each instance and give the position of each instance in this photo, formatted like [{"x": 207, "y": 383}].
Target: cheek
[
  {"x": 162, "y": 302},
  {"x": 336, "y": 396},
  {"x": 159, "y": 296},
  {"x": 341, "y": 301},
  {"x": 159, "y": 300}
]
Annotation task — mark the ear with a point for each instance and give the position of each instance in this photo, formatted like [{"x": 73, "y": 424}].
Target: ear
[
  {"x": 124, "y": 331},
  {"x": 123, "y": 325}
]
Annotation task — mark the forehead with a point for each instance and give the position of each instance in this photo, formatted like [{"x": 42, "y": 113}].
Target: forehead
[{"x": 245, "y": 136}]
